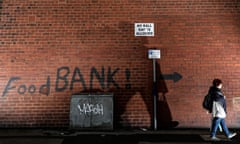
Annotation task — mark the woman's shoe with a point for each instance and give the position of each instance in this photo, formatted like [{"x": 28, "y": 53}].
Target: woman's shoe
[
  {"x": 232, "y": 135},
  {"x": 215, "y": 138}
]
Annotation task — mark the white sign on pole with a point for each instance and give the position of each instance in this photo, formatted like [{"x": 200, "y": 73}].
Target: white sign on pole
[
  {"x": 144, "y": 29},
  {"x": 154, "y": 54}
]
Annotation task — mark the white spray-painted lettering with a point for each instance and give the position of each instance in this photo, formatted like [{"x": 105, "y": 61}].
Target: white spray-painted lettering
[{"x": 87, "y": 108}]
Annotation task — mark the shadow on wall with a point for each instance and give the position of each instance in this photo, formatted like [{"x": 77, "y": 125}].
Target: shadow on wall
[
  {"x": 1, "y": 1},
  {"x": 123, "y": 95},
  {"x": 164, "y": 113}
]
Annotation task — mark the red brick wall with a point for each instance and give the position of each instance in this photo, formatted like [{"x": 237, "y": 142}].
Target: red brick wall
[{"x": 53, "y": 49}]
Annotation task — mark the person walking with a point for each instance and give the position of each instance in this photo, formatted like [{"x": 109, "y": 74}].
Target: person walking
[{"x": 219, "y": 110}]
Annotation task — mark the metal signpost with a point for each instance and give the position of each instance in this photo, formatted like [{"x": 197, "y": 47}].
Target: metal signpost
[
  {"x": 147, "y": 29},
  {"x": 154, "y": 54}
]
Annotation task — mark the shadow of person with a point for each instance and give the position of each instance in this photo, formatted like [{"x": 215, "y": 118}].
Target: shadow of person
[
  {"x": 133, "y": 86},
  {"x": 163, "y": 111},
  {"x": 132, "y": 59}
]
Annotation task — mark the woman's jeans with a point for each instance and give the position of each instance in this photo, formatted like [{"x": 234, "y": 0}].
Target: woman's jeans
[{"x": 215, "y": 124}]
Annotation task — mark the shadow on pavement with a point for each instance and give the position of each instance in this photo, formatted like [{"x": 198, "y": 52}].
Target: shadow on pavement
[
  {"x": 146, "y": 139},
  {"x": 119, "y": 137},
  {"x": 131, "y": 139},
  {"x": 30, "y": 140},
  {"x": 116, "y": 139}
]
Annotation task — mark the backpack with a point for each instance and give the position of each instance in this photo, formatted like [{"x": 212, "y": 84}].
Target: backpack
[{"x": 207, "y": 102}]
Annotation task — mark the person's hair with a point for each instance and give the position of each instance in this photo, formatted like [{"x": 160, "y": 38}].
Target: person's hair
[{"x": 216, "y": 82}]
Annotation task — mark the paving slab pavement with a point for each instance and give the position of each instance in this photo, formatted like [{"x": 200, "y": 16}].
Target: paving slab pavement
[{"x": 139, "y": 136}]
